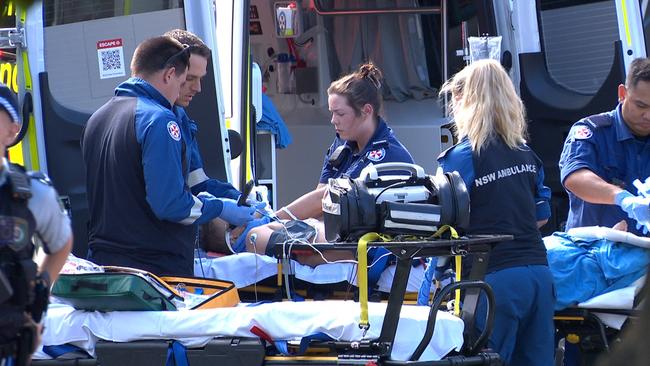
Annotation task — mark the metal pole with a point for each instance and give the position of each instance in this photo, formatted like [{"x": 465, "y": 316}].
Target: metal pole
[{"x": 445, "y": 71}]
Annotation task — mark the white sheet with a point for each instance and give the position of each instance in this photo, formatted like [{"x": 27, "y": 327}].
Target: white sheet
[
  {"x": 244, "y": 269},
  {"x": 618, "y": 299},
  {"x": 281, "y": 320}
]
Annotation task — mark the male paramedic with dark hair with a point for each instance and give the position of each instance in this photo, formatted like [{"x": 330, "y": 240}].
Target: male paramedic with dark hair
[
  {"x": 603, "y": 154},
  {"x": 143, "y": 213},
  {"x": 197, "y": 180},
  {"x": 28, "y": 206}
]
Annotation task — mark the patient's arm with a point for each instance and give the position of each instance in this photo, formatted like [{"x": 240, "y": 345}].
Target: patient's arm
[
  {"x": 263, "y": 233},
  {"x": 307, "y": 205},
  {"x": 621, "y": 225}
]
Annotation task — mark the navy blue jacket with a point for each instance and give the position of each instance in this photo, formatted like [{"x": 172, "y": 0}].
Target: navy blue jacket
[
  {"x": 137, "y": 154},
  {"x": 383, "y": 147},
  {"x": 604, "y": 144},
  {"x": 507, "y": 196}
]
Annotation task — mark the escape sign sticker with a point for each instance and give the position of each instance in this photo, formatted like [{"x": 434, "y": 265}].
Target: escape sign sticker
[{"x": 110, "y": 55}]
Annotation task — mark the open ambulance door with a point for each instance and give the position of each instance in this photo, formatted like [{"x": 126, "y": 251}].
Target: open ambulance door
[
  {"x": 571, "y": 57},
  {"x": 76, "y": 56}
]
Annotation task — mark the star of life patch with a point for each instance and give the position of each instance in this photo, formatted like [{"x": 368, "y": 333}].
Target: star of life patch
[
  {"x": 174, "y": 130},
  {"x": 376, "y": 155},
  {"x": 582, "y": 133}
]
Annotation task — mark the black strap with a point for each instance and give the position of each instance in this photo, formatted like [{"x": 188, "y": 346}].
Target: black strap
[{"x": 20, "y": 182}]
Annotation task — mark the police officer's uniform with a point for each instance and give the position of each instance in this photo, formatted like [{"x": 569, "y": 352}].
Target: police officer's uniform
[
  {"x": 508, "y": 196},
  {"x": 344, "y": 159},
  {"x": 605, "y": 145}
]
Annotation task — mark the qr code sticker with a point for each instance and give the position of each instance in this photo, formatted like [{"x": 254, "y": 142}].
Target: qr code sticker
[{"x": 111, "y": 60}]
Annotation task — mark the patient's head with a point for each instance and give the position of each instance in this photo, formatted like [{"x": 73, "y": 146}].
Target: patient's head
[{"x": 213, "y": 236}]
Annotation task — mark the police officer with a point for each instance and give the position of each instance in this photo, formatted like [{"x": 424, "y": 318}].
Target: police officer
[
  {"x": 28, "y": 206},
  {"x": 505, "y": 180},
  {"x": 603, "y": 154},
  {"x": 362, "y": 137},
  {"x": 143, "y": 213}
]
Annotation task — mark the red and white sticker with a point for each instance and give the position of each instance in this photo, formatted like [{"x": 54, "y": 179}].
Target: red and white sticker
[
  {"x": 110, "y": 55},
  {"x": 174, "y": 130},
  {"x": 582, "y": 133},
  {"x": 377, "y": 155}
]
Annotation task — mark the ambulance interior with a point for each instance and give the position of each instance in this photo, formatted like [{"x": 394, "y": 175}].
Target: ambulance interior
[{"x": 407, "y": 47}]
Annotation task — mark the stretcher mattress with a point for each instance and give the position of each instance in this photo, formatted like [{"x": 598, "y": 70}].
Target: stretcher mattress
[
  {"x": 245, "y": 269},
  {"x": 280, "y": 320}
]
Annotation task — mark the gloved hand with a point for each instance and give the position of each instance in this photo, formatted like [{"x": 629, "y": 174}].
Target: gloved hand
[
  {"x": 240, "y": 245},
  {"x": 636, "y": 207},
  {"x": 237, "y": 215}
]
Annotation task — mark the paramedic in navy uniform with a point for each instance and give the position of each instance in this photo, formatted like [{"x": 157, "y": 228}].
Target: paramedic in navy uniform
[
  {"x": 507, "y": 196},
  {"x": 362, "y": 137},
  {"x": 197, "y": 179},
  {"x": 603, "y": 154},
  {"x": 143, "y": 213}
]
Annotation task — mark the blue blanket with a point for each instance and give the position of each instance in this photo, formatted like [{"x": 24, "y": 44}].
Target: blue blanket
[{"x": 583, "y": 269}]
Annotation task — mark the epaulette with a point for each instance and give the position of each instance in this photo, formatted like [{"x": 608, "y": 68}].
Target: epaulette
[
  {"x": 442, "y": 154},
  {"x": 599, "y": 120},
  {"x": 379, "y": 144},
  {"x": 21, "y": 187}
]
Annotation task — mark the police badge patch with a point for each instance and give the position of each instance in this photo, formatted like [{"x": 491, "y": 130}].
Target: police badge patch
[
  {"x": 174, "y": 130},
  {"x": 582, "y": 133},
  {"x": 376, "y": 155}
]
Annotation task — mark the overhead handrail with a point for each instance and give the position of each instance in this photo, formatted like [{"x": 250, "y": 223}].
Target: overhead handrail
[{"x": 320, "y": 10}]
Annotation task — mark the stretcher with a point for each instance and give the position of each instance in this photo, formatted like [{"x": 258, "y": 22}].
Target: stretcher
[
  {"x": 268, "y": 275},
  {"x": 595, "y": 323},
  {"x": 397, "y": 334}
]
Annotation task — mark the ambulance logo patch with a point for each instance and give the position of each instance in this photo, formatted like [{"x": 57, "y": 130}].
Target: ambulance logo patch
[
  {"x": 582, "y": 133},
  {"x": 376, "y": 155},
  {"x": 174, "y": 130}
]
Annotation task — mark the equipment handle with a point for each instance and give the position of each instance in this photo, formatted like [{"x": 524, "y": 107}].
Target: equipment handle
[
  {"x": 248, "y": 187},
  {"x": 371, "y": 172}
]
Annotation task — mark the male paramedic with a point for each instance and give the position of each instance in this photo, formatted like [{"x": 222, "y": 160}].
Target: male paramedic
[
  {"x": 28, "y": 206},
  {"x": 143, "y": 213},
  {"x": 604, "y": 153},
  {"x": 197, "y": 180}
]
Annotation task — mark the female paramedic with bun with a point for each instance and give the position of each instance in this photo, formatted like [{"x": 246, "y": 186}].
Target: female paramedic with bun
[
  {"x": 505, "y": 180},
  {"x": 362, "y": 138}
]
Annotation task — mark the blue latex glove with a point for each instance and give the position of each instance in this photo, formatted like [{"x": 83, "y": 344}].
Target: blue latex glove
[
  {"x": 236, "y": 215},
  {"x": 240, "y": 245},
  {"x": 636, "y": 207}
]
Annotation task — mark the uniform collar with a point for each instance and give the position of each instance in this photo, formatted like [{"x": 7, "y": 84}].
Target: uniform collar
[
  {"x": 622, "y": 131},
  {"x": 137, "y": 87},
  {"x": 377, "y": 140},
  {"x": 4, "y": 171}
]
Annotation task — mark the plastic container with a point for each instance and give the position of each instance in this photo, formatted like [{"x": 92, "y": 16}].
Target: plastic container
[{"x": 283, "y": 68}]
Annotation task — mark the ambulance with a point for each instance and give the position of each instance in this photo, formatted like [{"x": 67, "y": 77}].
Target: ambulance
[{"x": 69, "y": 56}]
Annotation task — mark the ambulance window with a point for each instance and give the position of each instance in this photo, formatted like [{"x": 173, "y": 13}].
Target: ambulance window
[
  {"x": 569, "y": 37},
  {"x": 60, "y": 12}
]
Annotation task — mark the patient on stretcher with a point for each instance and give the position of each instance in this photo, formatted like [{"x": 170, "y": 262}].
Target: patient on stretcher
[
  {"x": 590, "y": 261},
  {"x": 261, "y": 236}
]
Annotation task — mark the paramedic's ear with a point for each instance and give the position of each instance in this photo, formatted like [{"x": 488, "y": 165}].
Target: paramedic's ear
[
  {"x": 622, "y": 92},
  {"x": 367, "y": 109}
]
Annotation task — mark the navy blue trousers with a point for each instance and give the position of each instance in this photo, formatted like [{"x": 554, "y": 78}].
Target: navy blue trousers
[{"x": 524, "y": 333}]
